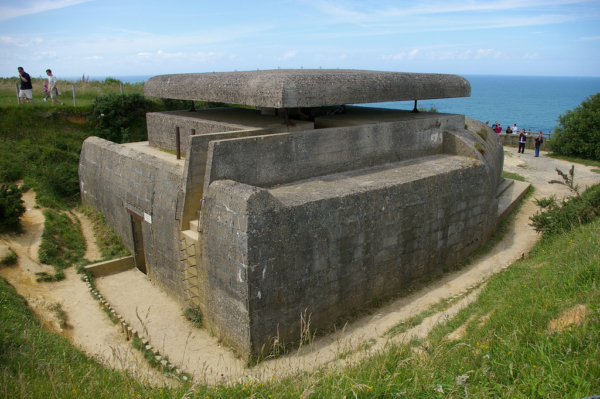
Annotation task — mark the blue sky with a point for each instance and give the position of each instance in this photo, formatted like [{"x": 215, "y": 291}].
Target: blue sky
[{"x": 120, "y": 38}]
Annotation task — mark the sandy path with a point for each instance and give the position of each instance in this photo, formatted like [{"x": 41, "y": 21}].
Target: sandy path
[
  {"x": 133, "y": 295},
  {"x": 86, "y": 324},
  {"x": 92, "y": 252}
]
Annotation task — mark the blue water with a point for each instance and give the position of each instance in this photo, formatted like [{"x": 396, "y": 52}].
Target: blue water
[{"x": 532, "y": 102}]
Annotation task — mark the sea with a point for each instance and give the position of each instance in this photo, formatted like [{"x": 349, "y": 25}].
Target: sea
[{"x": 531, "y": 102}]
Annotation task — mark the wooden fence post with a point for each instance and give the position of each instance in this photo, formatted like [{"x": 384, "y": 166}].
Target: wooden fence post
[
  {"x": 74, "y": 96},
  {"x": 17, "y": 87},
  {"x": 121, "y": 88}
]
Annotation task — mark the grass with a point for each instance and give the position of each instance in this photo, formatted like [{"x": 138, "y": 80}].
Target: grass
[
  {"x": 479, "y": 148},
  {"x": 110, "y": 245},
  {"x": 9, "y": 259},
  {"x": 507, "y": 351},
  {"x": 62, "y": 244},
  {"x": 36, "y": 363},
  {"x": 586, "y": 162},
  {"x": 86, "y": 92},
  {"x": 513, "y": 176}
]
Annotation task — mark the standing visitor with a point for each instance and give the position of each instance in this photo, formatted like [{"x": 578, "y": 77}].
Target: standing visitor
[
  {"x": 498, "y": 129},
  {"x": 538, "y": 142},
  {"x": 522, "y": 141},
  {"x": 26, "y": 91},
  {"x": 52, "y": 87},
  {"x": 515, "y": 129}
]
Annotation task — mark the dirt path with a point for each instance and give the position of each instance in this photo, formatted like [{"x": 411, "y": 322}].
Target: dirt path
[
  {"x": 92, "y": 252},
  {"x": 67, "y": 306},
  {"x": 149, "y": 309}
]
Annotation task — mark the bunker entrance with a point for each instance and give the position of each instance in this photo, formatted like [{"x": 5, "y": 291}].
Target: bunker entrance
[{"x": 138, "y": 242}]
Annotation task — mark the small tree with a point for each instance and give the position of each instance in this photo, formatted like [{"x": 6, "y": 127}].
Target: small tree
[
  {"x": 112, "y": 115},
  {"x": 578, "y": 131},
  {"x": 11, "y": 206}
]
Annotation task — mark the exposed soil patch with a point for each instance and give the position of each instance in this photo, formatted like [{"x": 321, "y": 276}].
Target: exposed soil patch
[{"x": 570, "y": 317}]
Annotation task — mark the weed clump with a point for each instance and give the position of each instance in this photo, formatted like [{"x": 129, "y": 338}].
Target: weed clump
[
  {"x": 480, "y": 148},
  {"x": 9, "y": 259},
  {"x": 194, "y": 315},
  {"x": 483, "y": 134},
  {"x": 561, "y": 216},
  {"x": 11, "y": 206}
]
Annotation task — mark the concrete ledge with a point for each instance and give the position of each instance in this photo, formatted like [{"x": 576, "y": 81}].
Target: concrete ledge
[
  {"x": 510, "y": 198},
  {"x": 111, "y": 266}
]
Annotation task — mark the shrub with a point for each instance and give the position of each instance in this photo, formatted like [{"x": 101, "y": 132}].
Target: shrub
[
  {"x": 113, "y": 81},
  {"x": 561, "y": 216},
  {"x": 11, "y": 206},
  {"x": 112, "y": 114},
  {"x": 578, "y": 131},
  {"x": 9, "y": 259}
]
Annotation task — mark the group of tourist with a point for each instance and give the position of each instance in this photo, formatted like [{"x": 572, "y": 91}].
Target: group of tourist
[
  {"x": 50, "y": 88},
  {"x": 522, "y": 136}
]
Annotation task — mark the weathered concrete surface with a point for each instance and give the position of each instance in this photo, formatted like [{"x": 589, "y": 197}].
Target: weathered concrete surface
[
  {"x": 111, "y": 266},
  {"x": 161, "y": 125},
  {"x": 283, "y": 158},
  {"x": 291, "y": 88},
  {"x": 116, "y": 180},
  {"x": 378, "y": 206}
]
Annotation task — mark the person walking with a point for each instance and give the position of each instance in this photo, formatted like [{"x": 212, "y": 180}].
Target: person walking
[
  {"x": 538, "y": 142},
  {"x": 52, "y": 87},
  {"x": 26, "y": 92},
  {"x": 522, "y": 141}
]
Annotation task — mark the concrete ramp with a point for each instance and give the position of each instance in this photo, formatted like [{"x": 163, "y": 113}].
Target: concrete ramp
[{"x": 509, "y": 194}]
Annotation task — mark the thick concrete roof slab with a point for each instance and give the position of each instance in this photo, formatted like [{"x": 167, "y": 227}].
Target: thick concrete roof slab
[{"x": 291, "y": 88}]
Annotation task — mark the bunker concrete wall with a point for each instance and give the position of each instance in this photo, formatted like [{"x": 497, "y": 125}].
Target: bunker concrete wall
[
  {"x": 278, "y": 159},
  {"x": 161, "y": 129},
  {"x": 113, "y": 179},
  {"x": 268, "y": 257}
]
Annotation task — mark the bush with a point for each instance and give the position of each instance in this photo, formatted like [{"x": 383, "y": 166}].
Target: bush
[
  {"x": 9, "y": 259},
  {"x": 578, "y": 131},
  {"x": 561, "y": 216},
  {"x": 11, "y": 206},
  {"x": 112, "y": 114}
]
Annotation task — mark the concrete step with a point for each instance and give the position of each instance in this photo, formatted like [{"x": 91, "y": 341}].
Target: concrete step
[
  {"x": 510, "y": 197},
  {"x": 503, "y": 186},
  {"x": 191, "y": 236},
  {"x": 194, "y": 225}
]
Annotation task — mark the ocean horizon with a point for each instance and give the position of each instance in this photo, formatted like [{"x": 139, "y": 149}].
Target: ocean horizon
[{"x": 531, "y": 102}]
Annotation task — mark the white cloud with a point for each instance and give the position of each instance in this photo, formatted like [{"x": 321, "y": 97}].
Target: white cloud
[
  {"x": 591, "y": 38},
  {"x": 534, "y": 56},
  {"x": 401, "y": 56},
  {"x": 288, "y": 55},
  {"x": 34, "y": 7},
  {"x": 18, "y": 42},
  {"x": 195, "y": 56}
]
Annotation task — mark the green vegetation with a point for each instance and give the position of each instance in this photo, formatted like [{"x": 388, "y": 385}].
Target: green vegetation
[
  {"x": 513, "y": 176},
  {"x": 483, "y": 133},
  {"x": 432, "y": 108},
  {"x": 560, "y": 216},
  {"x": 35, "y": 363},
  {"x": 11, "y": 207},
  {"x": 578, "y": 131},
  {"x": 479, "y": 148},
  {"x": 9, "y": 259},
  {"x": 194, "y": 315},
  {"x": 108, "y": 242},
  {"x": 86, "y": 92},
  {"x": 62, "y": 244},
  {"x": 112, "y": 116}
]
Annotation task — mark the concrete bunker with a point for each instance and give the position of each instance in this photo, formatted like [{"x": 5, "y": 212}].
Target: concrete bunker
[{"x": 268, "y": 218}]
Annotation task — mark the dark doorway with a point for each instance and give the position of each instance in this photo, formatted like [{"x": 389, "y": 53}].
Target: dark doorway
[{"x": 138, "y": 242}]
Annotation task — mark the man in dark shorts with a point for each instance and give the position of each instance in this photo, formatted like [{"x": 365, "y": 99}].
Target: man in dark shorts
[{"x": 26, "y": 87}]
